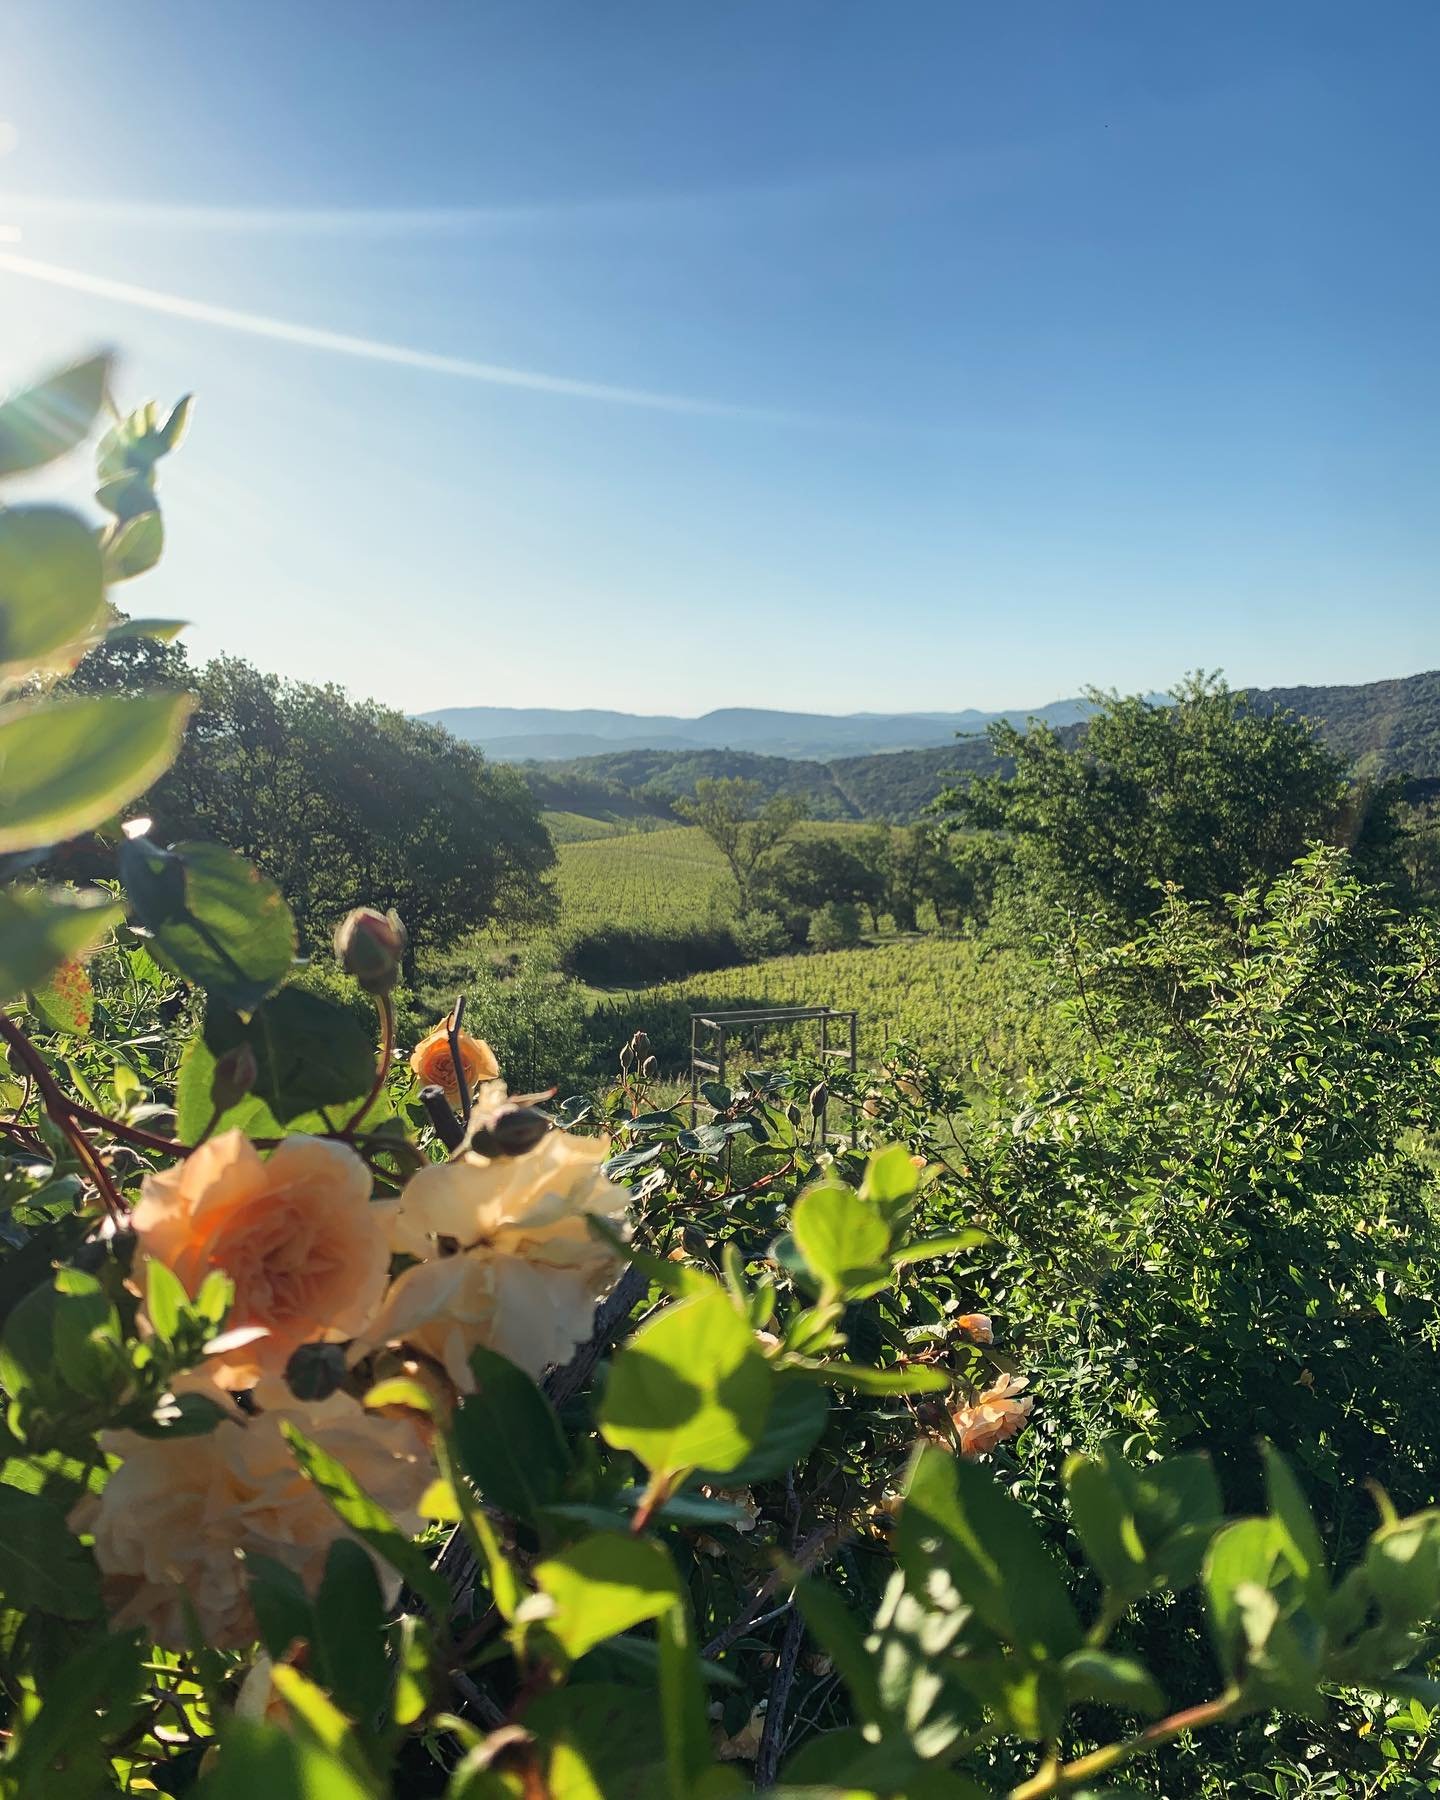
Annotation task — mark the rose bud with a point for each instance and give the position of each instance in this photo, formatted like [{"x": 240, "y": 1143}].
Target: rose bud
[
  {"x": 819, "y": 1094},
  {"x": 370, "y": 945},
  {"x": 508, "y": 1131},
  {"x": 650, "y": 1068},
  {"x": 235, "y": 1075}
]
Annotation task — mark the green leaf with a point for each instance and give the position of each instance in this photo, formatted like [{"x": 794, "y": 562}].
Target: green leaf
[
  {"x": 607, "y": 1727},
  {"x": 1100, "y": 1675},
  {"x": 891, "y": 1180},
  {"x": 69, "y": 765},
  {"x": 257, "y": 1759},
  {"x": 350, "y": 1630},
  {"x": 165, "y": 1298},
  {"x": 1301, "y": 1540},
  {"x": 65, "y": 1001},
  {"x": 40, "y": 928},
  {"x": 1105, "y": 1525},
  {"x": 165, "y": 630},
  {"x": 508, "y": 1439},
  {"x": 835, "y": 1628},
  {"x": 924, "y": 1249},
  {"x": 1242, "y": 1556},
  {"x": 133, "y": 547},
  {"x": 1402, "y": 1566},
  {"x": 689, "y": 1390},
  {"x": 281, "y": 1605},
  {"x": 602, "y": 1586},
  {"x": 368, "y": 1519},
  {"x": 862, "y": 1379},
  {"x": 52, "y": 594},
  {"x": 90, "y": 1698},
  {"x": 43, "y": 422},
  {"x": 41, "y": 1564},
  {"x": 957, "y": 1515},
  {"x": 213, "y": 918},
  {"x": 798, "y": 1411},
  {"x": 310, "y": 1052},
  {"x": 844, "y": 1240}
]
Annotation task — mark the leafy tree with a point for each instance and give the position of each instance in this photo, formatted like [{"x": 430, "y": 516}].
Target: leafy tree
[
  {"x": 743, "y": 827},
  {"x": 808, "y": 872},
  {"x": 1208, "y": 794},
  {"x": 835, "y": 926},
  {"x": 334, "y": 797}
]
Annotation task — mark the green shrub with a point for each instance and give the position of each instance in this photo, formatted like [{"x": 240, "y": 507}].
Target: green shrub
[{"x": 835, "y": 926}]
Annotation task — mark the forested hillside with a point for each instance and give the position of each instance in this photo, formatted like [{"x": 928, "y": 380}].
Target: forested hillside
[{"x": 1380, "y": 727}]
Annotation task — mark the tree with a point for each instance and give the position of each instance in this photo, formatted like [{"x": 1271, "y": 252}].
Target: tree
[
  {"x": 730, "y": 812},
  {"x": 835, "y": 926},
  {"x": 807, "y": 872},
  {"x": 335, "y": 797},
  {"x": 1206, "y": 794}
]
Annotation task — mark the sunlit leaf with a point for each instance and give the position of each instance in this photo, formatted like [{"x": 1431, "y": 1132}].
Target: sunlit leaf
[
  {"x": 67, "y": 767},
  {"x": 51, "y": 589},
  {"x": 42, "y": 928},
  {"x": 43, "y": 422}
]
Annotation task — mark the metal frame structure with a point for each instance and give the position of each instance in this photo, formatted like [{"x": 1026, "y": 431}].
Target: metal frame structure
[{"x": 721, "y": 1024}]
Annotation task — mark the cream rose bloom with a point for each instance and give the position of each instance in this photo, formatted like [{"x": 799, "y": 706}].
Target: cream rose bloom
[
  {"x": 175, "y": 1519},
  {"x": 995, "y": 1416},
  {"x": 295, "y": 1231},
  {"x": 507, "y": 1259}
]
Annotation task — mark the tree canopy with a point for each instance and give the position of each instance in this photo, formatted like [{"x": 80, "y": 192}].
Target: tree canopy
[
  {"x": 335, "y": 797},
  {"x": 1207, "y": 794}
]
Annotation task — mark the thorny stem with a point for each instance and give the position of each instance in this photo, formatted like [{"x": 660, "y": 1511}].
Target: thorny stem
[
  {"x": 62, "y": 1112},
  {"x": 1060, "y": 1778},
  {"x": 386, "y": 1009}
]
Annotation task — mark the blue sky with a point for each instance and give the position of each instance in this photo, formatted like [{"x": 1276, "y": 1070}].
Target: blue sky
[{"x": 908, "y": 356}]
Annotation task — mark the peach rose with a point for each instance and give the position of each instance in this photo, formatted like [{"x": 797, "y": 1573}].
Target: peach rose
[
  {"x": 507, "y": 1259},
  {"x": 295, "y": 1231},
  {"x": 977, "y": 1327},
  {"x": 433, "y": 1064},
  {"x": 994, "y": 1417},
  {"x": 175, "y": 1519}
]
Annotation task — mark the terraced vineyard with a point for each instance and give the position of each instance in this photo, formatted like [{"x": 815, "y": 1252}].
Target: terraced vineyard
[{"x": 945, "y": 995}]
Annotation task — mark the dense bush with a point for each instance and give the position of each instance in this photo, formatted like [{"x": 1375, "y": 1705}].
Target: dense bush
[
  {"x": 623, "y": 956},
  {"x": 835, "y": 926}
]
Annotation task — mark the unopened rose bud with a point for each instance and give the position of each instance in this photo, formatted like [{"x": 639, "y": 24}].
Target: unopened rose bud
[
  {"x": 819, "y": 1094},
  {"x": 627, "y": 1060},
  {"x": 508, "y": 1131},
  {"x": 235, "y": 1074},
  {"x": 370, "y": 945},
  {"x": 650, "y": 1068},
  {"x": 640, "y": 1043}
]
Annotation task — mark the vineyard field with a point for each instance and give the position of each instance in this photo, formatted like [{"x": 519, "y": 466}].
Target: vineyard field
[
  {"x": 965, "y": 1003},
  {"x": 643, "y": 880},
  {"x": 672, "y": 879}
]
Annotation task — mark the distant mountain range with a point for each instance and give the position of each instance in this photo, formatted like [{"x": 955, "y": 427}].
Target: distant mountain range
[
  {"x": 553, "y": 734},
  {"x": 1379, "y": 728}
]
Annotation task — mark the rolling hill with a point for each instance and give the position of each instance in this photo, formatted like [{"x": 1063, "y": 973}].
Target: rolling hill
[{"x": 1380, "y": 728}]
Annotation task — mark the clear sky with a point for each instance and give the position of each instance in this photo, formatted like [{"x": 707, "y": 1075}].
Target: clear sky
[{"x": 834, "y": 354}]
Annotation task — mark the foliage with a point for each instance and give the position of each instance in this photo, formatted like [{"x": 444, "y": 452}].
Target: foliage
[
  {"x": 1207, "y": 793},
  {"x": 334, "y": 797},
  {"x": 970, "y": 1003},
  {"x": 304, "y": 1495},
  {"x": 744, "y": 827},
  {"x": 835, "y": 926}
]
